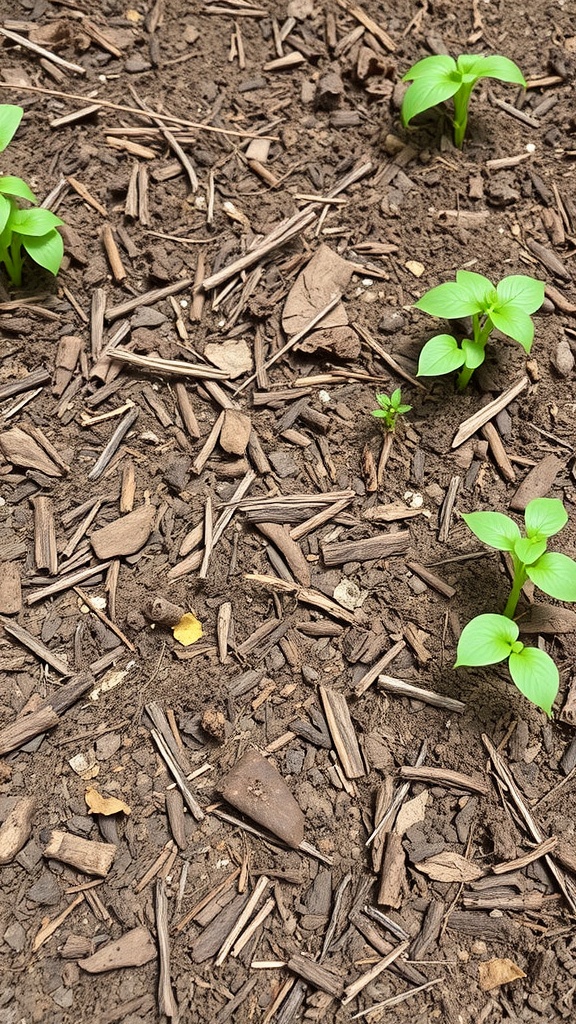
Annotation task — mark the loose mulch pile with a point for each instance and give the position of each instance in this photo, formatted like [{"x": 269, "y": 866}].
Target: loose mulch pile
[{"x": 241, "y": 780}]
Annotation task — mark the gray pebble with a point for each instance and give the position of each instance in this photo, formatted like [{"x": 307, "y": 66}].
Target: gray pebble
[{"x": 563, "y": 360}]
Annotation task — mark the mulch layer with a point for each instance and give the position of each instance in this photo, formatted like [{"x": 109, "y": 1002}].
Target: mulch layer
[{"x": 240, "y": 778}]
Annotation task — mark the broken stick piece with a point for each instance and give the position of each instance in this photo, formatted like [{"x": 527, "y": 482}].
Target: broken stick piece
[{"x": 86, "y": 855}]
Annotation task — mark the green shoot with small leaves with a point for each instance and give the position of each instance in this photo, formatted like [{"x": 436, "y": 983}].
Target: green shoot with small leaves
[
  {"x": 489, "y": 639},
  {"x": 438, "y": 78},
  {"x": 506, "y": 307},
  {"x": 390, "y": 408},
  {"x": 30, "y": 230}
]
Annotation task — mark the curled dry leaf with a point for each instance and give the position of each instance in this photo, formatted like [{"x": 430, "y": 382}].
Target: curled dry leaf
[
  {"x": 188, "y": 630},
  {"x": 449, "y": 867},
  {"x": 493, "y": 973},
  {"x": 98, "y": 804}
]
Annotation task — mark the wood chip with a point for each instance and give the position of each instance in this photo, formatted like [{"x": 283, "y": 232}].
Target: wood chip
[
  {"x": 133, "y": 949},
  {"x": 342, "y": 732},
  {"x": 124, "y": 536},
  {"x": 373, "y": 548},
  {"x": 256, "y": 788},
  {"x": 93, "y": 858}
]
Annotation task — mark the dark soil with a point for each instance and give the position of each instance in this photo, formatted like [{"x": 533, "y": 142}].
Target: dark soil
[{"x": 420, "y": 211}]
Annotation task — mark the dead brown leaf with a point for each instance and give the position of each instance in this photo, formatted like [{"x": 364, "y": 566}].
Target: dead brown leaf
[{"x": 493, "y": 973}]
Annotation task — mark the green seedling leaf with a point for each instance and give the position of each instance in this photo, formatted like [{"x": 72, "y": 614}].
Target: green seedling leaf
[
  {"x": 491, "y": 67},
  {"x": 529, "y": 549},
  {"x": 486, "y": 640},
  {"x": 450, "y": 300},
  {"x": 35, "y": 222},
  {"x": 440, "y": 355},
  {"x": 46, "y": 250},
  {"x": 536, "y": 676},
  {"x": 5, "y": 211},
  {"x": 494, "y": 529},
  {"x": 11, "y": 186},
  {"x": 515, "y": 324},
  {"x": 474, "y": 353},
  {"x": 555, "y": 574},
  {"x": 519, "y": 290},
  {"x": 10, "y": 117},
  {"x": 544, "y": 517}
]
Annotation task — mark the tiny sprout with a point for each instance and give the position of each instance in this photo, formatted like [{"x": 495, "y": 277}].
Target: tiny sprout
[
  {"x": 506, "y": 307},
  {"x": 435, "y": 79},
  {"x": 32, "y": 230},
  {"x": 390, "y": 408}
]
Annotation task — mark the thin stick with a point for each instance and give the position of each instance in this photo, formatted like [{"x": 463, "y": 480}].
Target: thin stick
[
  {"x": 166, "y": 1002},
  {"x": 473, "y": 423},
  {"x": 28, "y": 45},
  {"x": 260, "y": 887}
]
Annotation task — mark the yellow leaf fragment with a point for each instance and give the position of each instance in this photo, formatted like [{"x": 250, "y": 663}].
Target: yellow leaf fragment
[
  {"x": 188, "y": 630},
  {"x": 493, "y": 973},
  {"x": 98, "y": 804},
  {"x": 415, "y": 267},
  {"x": 133, "y": 16}
]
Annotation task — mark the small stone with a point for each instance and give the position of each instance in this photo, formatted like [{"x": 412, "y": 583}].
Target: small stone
[
  {"x": 283, "y": 464},
  {"x": 15, "y": 936},
  {"x": 391, "y": 320},
  {"x": 329, "y": 91},
  {"x": 257, "y": 789},
  {"x": 214, "y": 723},
  {"x": 562, "y": 359}
]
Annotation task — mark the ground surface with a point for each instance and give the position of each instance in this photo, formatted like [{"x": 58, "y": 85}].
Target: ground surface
[{"x": 270, "y": 662}]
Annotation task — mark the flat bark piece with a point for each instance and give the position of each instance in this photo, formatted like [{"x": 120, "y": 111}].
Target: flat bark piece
[
  {"x": 235, "y": 432},
  {"x": 133, "y": 949},
  {"x": 393, "y": 872},
  {"x": 318, "y": 976},
  {"x": 256, "y": 788},
  {"x": 536, "y": 483},
  {"x": 280, "y": 537},
  {"x": 324, "y": 277},
  {"x": 342, "y": 732},
  {"x": 234, "y": 357},
  {"x": 207, "y": 944},
  {"x": 547, "y": 619},
  {"x": 340, "y": 341},
  {"x": 568, "y": 713},
  {"x": 373, "y": 548},
  {"x": 16, "y": 828},
  {"x": 10, "y": 588},
  {"x": 22, "y": 450},
  {"x": 124, "y": 536},
  {"x": 86, "y": 855},
  {"x": 449, "y": 867}
]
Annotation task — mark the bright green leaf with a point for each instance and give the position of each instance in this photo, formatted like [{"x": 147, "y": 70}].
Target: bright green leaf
[
  {"x": 449, "y": 300},
  {"x": 402, "y": 409},
  {"x": 493, "y": 67},
  {"x": 474, "y": 354},
  {"x": 5, "y": 211},
  {"x": 46, "y": 250},
  {"x": 396, "y": 398},
  {"x": 486, "y": 640},
  {"x": 11, "y": 186},
  {"x": 536, "y": 676},
  {"x": 544, "y": 517},
  {"x": 34, "y": 222},
  {"x": 555, "y": 574},
  {"x": 380, "y": 414},
  {"x": 529, "y": 549},
  {"x": 477, "y": 286},
  {"x": 427, "y": 92},
  {"x": 10, "y": 117},
  {"x": 440, "y": 355},
  {"x": 516, "y": 324},
  {"x": 494, "y": 529},
  {"x": 431, "y": 66},
  {"x": 519, "y": 290}
]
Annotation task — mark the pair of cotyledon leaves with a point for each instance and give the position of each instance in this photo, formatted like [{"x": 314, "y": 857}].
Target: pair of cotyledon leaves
[{"x": 438, "y": 78}]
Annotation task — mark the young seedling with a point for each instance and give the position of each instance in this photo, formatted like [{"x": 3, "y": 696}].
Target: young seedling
[
  {"x": 506, "y": 307},
  {"x": 489, "y": 639},
  {"x": 435, "y": 79},
  {"x": 32, "y": 230},
  {"x": 390, "y": 408}
]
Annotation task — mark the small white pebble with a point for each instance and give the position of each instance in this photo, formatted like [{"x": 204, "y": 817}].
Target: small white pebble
[
  {"x": 324, "y": 397},
  {"x": 184, "y": 303},
  {"x": 367, "y": 281},
  {"x": 530, "y": 147}
]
